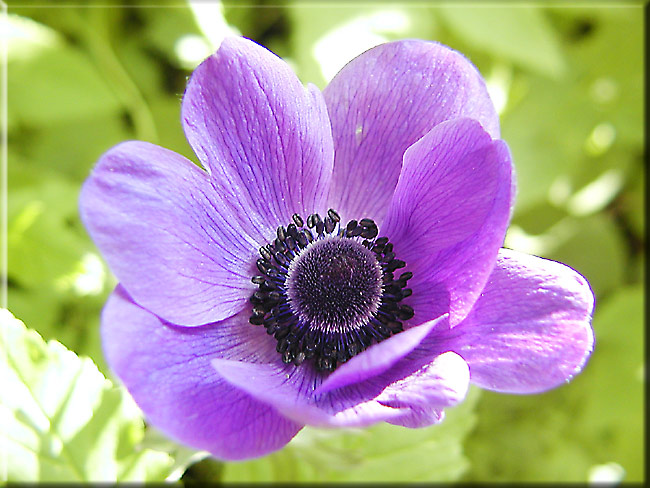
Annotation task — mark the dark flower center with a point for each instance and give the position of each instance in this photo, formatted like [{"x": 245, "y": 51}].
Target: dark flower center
[
  {"x": 329, "y": 291},
  {"x": 334, "y": 284}
]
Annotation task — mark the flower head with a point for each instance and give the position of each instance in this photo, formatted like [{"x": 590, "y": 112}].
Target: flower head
[{"x": 337, "y": 261}]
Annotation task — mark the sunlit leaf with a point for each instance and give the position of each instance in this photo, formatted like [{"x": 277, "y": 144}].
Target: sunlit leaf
[
  {"x": 522, "y": 35},
  {"x": 64, "y": 316},
  {"x": 563, "y": 434},
  {"x": 382, "y": 453},
  {"x": 324, "y": 39},
  {"x": 633, "y": 202},
  {"x": 611, "y": 418},
  {"x": 183, "y": 456},
  {"x": 63, "y": 420},
  {"x": 42, "y": 244},
  {"x": 70, "y": 147},
  {"x": 54, "y": 81},
  {"x": 567, "y": 133},
  {"x": 594, "y": 247}
]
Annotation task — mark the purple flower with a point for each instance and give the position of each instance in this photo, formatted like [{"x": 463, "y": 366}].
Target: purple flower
[{"x": 337, "y": 263}]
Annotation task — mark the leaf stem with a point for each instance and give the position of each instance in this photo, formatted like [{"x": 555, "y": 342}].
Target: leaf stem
[{"x": 106, "y": 60}]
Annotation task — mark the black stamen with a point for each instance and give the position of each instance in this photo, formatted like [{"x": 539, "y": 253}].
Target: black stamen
[
  {"x": 302, "y": 238},
  {"x": 404, "y": 312},
  {"x": 263, "y": 266},
  {"x": 331, "y": 213},
  {"x": 367, "y": 223},
  {"x": 329, "y": 225},
  {"x": 264, "y": 252},
  {"x": 394, "y": 264},
  {"x": 369, "y": 232},
  {"x": 290, "y": 242},
  {"x": 312, "y": 220},
  {"x": 267, "y": 286},
  {"x": 292, "y": 230},
  {"x": 297, "y": 219},
  {"x": 406, "y": 276},
  {"x": 381, "y": 241},
  {"x": 300, "y": 357},
  {"x": 356, "y": 232},
  {"x": 281, "y": 259},
  {"x": 279, "y": 246},
  {"x": 258, "y": 280},
  {"x": 326, "y": 294}
]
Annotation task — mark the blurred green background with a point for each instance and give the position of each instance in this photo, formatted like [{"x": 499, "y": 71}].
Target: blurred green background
[{"x": 568, "y": 83}]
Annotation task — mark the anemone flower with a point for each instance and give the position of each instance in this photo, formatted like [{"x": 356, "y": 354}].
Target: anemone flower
[{"x": 336, "y": 261}]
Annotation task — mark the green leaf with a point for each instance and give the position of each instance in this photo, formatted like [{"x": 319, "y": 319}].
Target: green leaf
[
  {"x": 42, "y": 245},
  {"x": 521, "y": 34},
  {"x": 50, "y": 80},
  {"x": 612, "y": 417},
  {"x": 565, "y": 134},
  {"x": 69, "y": 148},
  {"x": 164, "y": 31},
  {"x": 63, "y": 420},
  {"x": 169, "y": 109},
  {"x": 608, "y": 66},
  {"x": 381, "y": 453},
  {"x": 597, "y": 419},
  {"x": 324, "y": 39},
  {"x": 632, "y": 204},
  {"x": 593, "y": 246},
  {"x": 57, "y": 281},
  {"x": 525, "y": 438}
]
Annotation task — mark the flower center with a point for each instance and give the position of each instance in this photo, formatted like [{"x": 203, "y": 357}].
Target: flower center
[
  {"x": 327, "y": 291},
  {"x": 334, "y": 284}
]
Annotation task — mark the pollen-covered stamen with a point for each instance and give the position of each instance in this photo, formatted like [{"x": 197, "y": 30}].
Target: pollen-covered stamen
[{"x": 328, "y": 291}]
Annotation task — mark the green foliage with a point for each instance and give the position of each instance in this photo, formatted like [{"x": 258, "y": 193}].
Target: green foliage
[
  {"x": 567, "y": 132},
  {"x": 524, "y": 35},
  {"x": 63, "y": 421},
  {"x": 579, "y": 242},
  {"x": 324, "y": 39},
  {"x": 36, "y": 101},
  {"x": 595, "y": 420},
  {"x": 52, "y": 262},
  {"x": 382, "y": 453}
]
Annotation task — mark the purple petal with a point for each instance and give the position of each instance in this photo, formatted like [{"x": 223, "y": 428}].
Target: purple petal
[
  {"x": 449, "y": 215},
  {"x": 382, "y": 102},
  {"x": 440, "y": 383},
  {"x": 167, "y": 235},
  {"x": 419, "y": 417},
  {"x": 291, "y": 391},
  {"x": 421, "y": 381},
  {"x": 530, "y": 329},
  {"x": 167, "y": 371},
  {"x": 264, "y": 138},
  {"x": 377, "y": 358}
]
